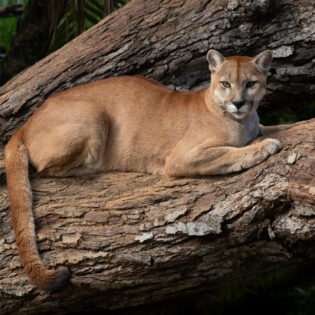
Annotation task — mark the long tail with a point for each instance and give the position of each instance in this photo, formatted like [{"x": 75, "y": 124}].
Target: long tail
[{"x": 20, "y": 195}]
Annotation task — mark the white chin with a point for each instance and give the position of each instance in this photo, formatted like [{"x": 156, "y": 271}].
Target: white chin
[{"x": 239, "y": 115}]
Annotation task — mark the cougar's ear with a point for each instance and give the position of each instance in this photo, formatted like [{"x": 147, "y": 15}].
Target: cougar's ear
[
  {"x": 215, "y": 60},
  {"x": 263, "y": 60}
]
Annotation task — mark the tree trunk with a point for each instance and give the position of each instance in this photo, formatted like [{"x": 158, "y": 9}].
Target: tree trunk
[
  {"x": 133, "y": 238},
  {"x": 168, "y": 41}
]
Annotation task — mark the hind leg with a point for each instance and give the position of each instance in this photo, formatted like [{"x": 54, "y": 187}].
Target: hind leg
[
  {"x": 71, "y": 148},
  {"x": 86, "y": 158}
]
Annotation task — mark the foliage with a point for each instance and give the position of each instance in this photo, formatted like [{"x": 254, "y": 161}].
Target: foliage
[
  {"x": 274, "y": 293},
  {"x": 286, "y": 114},
  {"x": 8, "y": 26},
  {"x": 78, "y": 15}
]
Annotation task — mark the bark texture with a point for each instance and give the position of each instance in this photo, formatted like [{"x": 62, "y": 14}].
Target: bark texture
[
  {"x": 168, "y": 41},
  {"x": 133, "y": 238}
]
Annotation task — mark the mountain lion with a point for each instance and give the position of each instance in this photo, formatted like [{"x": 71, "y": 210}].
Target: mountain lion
[{"x": 136, "y": 124}]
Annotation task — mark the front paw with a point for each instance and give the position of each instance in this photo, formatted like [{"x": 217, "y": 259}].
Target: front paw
[
  {"x": 261, "y": 152},
  {"x": 269, "y": 146}
]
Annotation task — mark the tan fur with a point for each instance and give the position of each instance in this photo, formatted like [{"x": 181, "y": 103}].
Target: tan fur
[{"x": 136, "y": 124}]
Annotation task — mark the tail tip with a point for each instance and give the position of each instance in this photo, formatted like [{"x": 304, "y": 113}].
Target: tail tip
[{"x": 60, "y": 279}]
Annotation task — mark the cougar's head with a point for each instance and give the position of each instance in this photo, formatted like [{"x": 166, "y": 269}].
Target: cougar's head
[{"x": 238, "y": 83}]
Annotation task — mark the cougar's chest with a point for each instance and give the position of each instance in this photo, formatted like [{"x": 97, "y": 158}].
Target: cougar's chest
[{"x": 242, "y": 132}]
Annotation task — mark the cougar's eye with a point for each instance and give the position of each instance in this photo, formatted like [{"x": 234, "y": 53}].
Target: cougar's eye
[
  {"x": 226, "y": 84},
  {"x": 250, "y": 84}
]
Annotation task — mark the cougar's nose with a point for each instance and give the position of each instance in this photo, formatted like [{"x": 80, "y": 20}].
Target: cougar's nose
[{"x": 239, "y": 104}]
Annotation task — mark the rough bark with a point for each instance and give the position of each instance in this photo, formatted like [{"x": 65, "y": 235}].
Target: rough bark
[
  {"x": 133, "y": 238},
  {"x": 168, "y": 40}
]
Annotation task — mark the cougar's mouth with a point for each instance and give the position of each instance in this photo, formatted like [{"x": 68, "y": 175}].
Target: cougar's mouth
[{"x": 240, "y": 112}]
